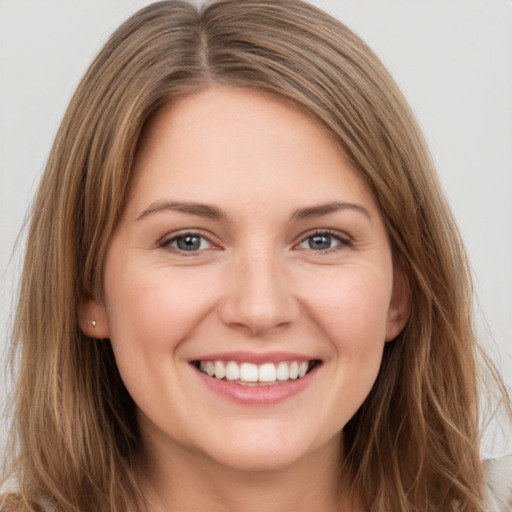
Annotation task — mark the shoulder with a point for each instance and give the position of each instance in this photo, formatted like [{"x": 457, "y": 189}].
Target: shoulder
[{"x": 498, "y": 473}]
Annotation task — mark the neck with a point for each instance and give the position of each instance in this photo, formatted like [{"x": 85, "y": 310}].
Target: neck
[{"x": 175, "y": 478}]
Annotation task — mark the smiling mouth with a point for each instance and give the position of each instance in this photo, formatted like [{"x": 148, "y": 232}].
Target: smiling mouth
[{"x": 249, "y": 374}]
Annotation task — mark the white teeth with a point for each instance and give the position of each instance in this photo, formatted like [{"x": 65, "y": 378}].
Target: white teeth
[
  {"x": 267, "y": 372},
  {"x": 282, "y": 371},
  {"x": 220, "y": 370},
  {"x": 232, "y": 371},
  {"x": 252, "y": 373},
  {"x": 248, "y": 372},
  {"x": 293, "y": 371}
]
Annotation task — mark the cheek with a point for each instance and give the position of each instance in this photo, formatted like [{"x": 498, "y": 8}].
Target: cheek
[
  {"x": 351, "y": 305},
  {"x": 153, "y": 309},
  {"x": 151, "y": 312},
  {"x": 350, "y": 309}
]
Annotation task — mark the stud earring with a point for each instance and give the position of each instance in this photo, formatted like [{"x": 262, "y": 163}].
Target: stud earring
[{"x": 91, "y": 322}]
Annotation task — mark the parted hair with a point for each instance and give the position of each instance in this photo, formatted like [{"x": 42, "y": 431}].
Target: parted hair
[{"x": 414, "y": 443}]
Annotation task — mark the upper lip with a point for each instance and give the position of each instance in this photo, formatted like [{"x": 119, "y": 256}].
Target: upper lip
[{"x": 255, "y": 357}]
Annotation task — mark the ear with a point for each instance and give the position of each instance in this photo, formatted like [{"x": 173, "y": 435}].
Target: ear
[
  {"x": 93, "y": 319},
  {"x": 399, "y": 306}
]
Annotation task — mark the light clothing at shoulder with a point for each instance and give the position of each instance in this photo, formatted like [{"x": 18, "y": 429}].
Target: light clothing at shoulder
[{"x": 499, "y": 484}]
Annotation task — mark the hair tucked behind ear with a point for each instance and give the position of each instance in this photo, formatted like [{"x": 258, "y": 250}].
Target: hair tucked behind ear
[{"x": 414, "y": 444}]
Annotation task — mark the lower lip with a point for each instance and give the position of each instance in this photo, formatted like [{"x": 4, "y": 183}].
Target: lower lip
[{"x": 258, "y": 395}]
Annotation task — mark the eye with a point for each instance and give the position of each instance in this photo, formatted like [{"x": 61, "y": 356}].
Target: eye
[
  {"x": 187, "y": 242},
  {"x": 324, "y": 241}
]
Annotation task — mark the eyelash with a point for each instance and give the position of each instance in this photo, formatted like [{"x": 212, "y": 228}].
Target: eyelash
[
  {"x": 344, "y": 241},
  {"x": 166, "y": 243}
]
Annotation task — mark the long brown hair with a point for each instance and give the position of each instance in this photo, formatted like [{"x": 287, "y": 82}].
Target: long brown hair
[{"x": 414, "y": 444}]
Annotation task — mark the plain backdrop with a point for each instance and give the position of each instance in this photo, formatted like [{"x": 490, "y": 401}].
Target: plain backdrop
[{"x": 452, "y": 59}]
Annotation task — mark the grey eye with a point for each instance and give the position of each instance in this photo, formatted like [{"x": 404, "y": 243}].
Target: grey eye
[
  {"x": 324, "y": 241},
  {"x": 188, "y": 243},
  {"x": 320, "y": 242}
]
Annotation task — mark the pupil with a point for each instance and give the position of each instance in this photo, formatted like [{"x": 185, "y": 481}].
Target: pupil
[
  {"x": 320, "y": 242},
  {"x": 189, "y": 243}
]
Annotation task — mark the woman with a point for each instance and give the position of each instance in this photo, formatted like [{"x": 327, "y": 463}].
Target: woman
[{"x": 254, "y": 293}]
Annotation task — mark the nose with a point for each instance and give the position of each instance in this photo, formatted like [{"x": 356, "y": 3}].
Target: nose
[{"x": 260, "y": 297}]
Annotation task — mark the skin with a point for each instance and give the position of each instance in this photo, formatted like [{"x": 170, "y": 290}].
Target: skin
[{"x": 255, "y": 284}]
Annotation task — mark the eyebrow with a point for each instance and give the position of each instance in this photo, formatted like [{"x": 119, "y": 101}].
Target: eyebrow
[
  {"x": 201, "y": 210},
  {"x": 312, "y": 212},
  {"x": 214, "y": 213}
]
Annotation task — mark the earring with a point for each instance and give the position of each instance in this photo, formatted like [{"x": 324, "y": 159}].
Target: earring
[{"x": 91, "y": 322}]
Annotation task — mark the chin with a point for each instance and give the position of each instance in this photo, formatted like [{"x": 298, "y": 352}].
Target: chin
[
  {"x": 258, "y": 459},
  {"x": 258, "y": 452}
]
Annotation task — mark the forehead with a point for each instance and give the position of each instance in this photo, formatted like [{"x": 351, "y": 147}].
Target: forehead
[{"x": 225, "y": 143}]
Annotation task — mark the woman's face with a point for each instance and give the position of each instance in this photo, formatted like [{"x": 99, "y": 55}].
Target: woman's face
[{"x": 248, "y": 250}]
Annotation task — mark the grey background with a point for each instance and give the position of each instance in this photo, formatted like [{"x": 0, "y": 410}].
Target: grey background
[{"x": 452, "y": 58}]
